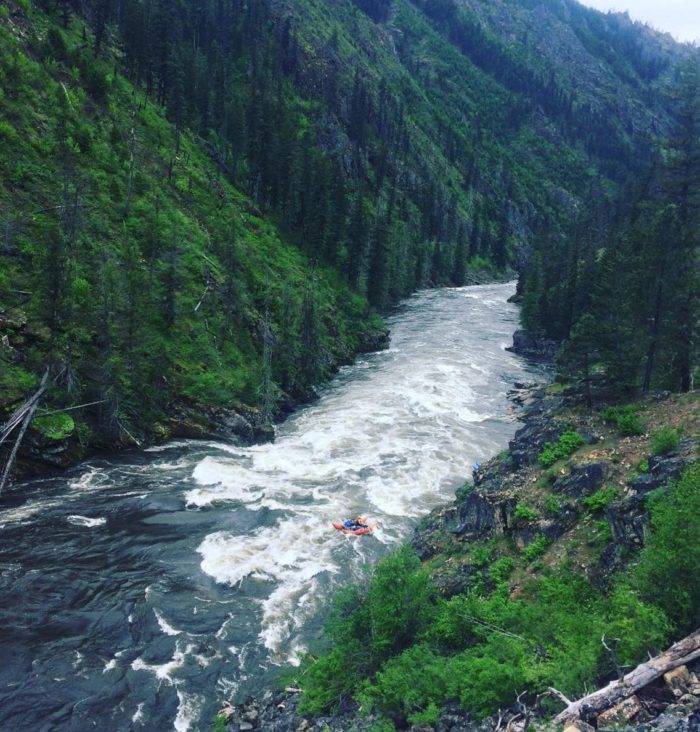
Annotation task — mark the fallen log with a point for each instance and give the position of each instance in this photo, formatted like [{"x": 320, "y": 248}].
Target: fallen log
[
  {"x": 680, "y": 653},
  {"x": 26, "y": 418}
]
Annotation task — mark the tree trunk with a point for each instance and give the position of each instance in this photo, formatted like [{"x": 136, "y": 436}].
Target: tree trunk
[
  {"x": 680, "y": 653},
  {"x": 654, "y": 333}
]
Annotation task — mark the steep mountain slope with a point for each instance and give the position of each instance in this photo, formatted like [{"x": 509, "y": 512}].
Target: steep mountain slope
[
  {"x": 316, "y": 156},
  {"x": 137, "y": 272}
]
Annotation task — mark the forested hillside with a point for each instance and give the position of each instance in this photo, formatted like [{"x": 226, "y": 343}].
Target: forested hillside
[
  {"x": 205, "y": 202},
  {"x": 620, "y": 288}
]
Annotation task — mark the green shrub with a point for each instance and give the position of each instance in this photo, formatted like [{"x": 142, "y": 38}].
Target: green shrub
[
  {"x": 409, "y": 684},
  {"x": 668, "y": 569},
  {"x": 643, "y": 466},
  {"x": 54, "y": 426},
  {"x": 501, "y": 569},
  {"x": 463, "y": 491},
  {"x": 536, "y": 548},
  {"x": 552, "y": 505},
  {"x": 567, "y": 444},
  {"x": 481, "y": 555},
  {"x": 625, "y": 418},
  {"x": 525, "y": 513},
  {"x": 665, "y": 440},
  {"x": 601, "y": 499},
  {"x": 429, "y": 715},
  {"x": 7, "y": 131}
]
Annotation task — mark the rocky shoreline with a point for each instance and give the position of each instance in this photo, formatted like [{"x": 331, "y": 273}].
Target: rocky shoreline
[
  {"x": 238, "y": 423},
  {"x": 487, "y": 509}
]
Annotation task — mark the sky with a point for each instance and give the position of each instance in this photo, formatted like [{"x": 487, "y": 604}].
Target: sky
[{"x": 681, "y": 18}]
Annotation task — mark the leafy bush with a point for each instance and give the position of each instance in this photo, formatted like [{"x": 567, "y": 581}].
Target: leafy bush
[
  {"x": 567, "y": 444},
  {"x": 366, "y": 629},
  {"x": 601, "y": 499},
  {"x": 552, "y": 505},
  {"x": 501, "y": 569},
  {"x": 54, "y": 426},
  {"x": 408, "y": 684},
  {"x": 482, "y": 650},
  {"x": 463, "y": 491},
  {"x": 625, "y": 418},
  {"x": 667, "y": 572},
  {"x": 665, "y": 441},
  {"x": 536, "y": 548},
  {"x": 481, "y": 555},
  {"x": 525, "y": 513},
  {"x": 7, "y": 131}
]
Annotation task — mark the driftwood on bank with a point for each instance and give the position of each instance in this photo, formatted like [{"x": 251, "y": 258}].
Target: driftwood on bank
[
  {"x": 22, "y": 416},
  {"x": 679, "y": 654}
]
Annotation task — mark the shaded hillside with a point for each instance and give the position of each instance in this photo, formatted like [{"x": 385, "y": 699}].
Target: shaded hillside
[{"x": 203, "y": 202}]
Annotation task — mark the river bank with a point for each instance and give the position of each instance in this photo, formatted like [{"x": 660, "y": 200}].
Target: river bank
[
  {"x": 48, "y": 451},
  {"x": 587, "y": 507}
]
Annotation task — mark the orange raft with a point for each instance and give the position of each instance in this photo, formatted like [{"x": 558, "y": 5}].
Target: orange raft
[{"x": 338, "y": 526}]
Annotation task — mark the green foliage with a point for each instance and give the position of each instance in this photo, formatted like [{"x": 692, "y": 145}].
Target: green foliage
[
  {"x": 501, "y": 569},
  {"x": 620, "y": 290},
  {"x": 625, "y": 418},
  {"x": 481, "y": 555},
  {"x": 463, "y": 491},
  {"x": 54, "y": 426},
  {"x": 567, "y": 444},
  {"x": 601, "y": 499},
  {"x": 552, "y": 505},
  {"x": 368, "y": 629},
  {"x": 665, "y": 440},
  {"x": 536, "y": 548},
  {"x": 150, "y": 273},
  {"x": 525, "y": 513},
  {"x": 667, "y": 572},
  {"x": 484, "y": 649}
]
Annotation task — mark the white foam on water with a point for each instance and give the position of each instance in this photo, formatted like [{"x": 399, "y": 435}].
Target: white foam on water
[
  {"x": 138, "y": 714},
  {"x": 86, "y": 521},
  {"x": 164, "y": 671},
  {"x": 188, "y": 710},
  {"x": 164, "y": 624},
  {"x": 393, "y": 438},
  {"x": 111, "y": 664},
  {"x": 167, "y": 446}
]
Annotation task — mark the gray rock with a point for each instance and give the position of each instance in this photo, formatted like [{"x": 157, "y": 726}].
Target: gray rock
[
  {"x": 530, "y": 346},
  {"x": 583, "y": 480}
]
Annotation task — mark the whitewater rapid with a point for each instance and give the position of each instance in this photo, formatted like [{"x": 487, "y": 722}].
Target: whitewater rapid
[{"x": 168, "y": 581}]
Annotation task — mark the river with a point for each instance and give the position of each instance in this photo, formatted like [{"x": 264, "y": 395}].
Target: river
[{"x": 139, "y": 592}]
